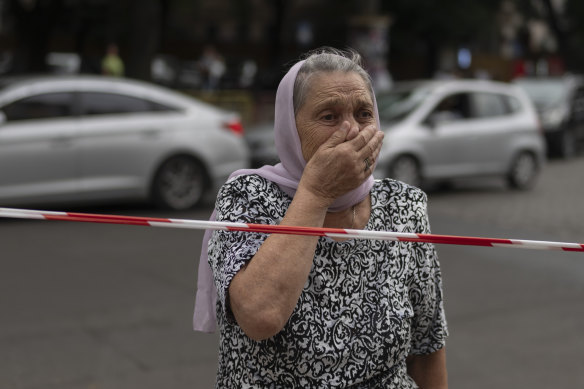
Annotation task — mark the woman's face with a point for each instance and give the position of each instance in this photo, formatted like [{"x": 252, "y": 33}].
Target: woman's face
[{"x": 332, "y": 98}]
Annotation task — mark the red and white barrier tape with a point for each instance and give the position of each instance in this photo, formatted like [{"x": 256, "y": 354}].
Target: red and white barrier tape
[{"x": 292, "y": 230}]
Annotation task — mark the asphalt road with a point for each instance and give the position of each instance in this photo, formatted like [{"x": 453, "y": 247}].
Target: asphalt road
[{"x": 105, "y": 306}]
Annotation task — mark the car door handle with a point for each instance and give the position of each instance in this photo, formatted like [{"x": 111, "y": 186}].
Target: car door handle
[
  {"x": 61, "y": 141},
  {"x": 151, "y": 133}
]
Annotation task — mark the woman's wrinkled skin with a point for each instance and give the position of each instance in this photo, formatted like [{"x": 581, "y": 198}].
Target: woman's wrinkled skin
[{"x": 337, "y": 131}]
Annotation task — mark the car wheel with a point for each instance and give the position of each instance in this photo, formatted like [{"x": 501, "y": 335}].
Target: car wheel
[
  {"x": 406, "y": 168},
  {"x": 523, "y": 171},
  {"x": 179, "y": 184},
  {"x": 567, "y": 144}
]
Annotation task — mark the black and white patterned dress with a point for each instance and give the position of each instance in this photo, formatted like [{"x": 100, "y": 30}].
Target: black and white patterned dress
[{"x": 366, "y": 305}]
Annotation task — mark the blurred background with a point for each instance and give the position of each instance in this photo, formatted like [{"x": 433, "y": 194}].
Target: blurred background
[
  {"x": 144, "y": 107},
  {"x": 168, "y": 41}
]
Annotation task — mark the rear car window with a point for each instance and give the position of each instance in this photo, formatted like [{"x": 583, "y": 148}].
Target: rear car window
[
  {"x": 100, "y": 103},
  {"x": 42, "y": 106},
  {"x": 489, "y": 105},
  {"x": 513, "y": 103}
]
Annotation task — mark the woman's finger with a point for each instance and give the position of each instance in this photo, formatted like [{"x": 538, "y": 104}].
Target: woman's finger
[
  {"x": 363, "y": 137},
  {"x": 372, "y": 160},
  {"x": 372, "y": 148}
]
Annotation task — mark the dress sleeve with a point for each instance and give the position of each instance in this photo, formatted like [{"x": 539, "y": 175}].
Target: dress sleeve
[
  {"x": 429, "y": 328},
  {"x": 239, "y": 200}
]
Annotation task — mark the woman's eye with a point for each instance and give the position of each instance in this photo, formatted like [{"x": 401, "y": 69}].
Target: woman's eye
[
  {"x": 365, "y": 114},
  {"x": 330, "y": 116}
]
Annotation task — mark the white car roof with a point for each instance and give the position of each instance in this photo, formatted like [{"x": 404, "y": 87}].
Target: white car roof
[
  {"x": 12, "y": 88},
  {"x": 455, "y": 84}
]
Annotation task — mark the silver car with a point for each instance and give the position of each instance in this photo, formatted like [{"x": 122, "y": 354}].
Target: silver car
[
  {"x": 92, "y": 138},
  {"x": 438, "y": 130}
]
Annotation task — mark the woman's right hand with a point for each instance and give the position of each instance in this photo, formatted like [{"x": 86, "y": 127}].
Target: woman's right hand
[
  {"x": 338, "y": 166},
  {"x": 264, "y": 293}
]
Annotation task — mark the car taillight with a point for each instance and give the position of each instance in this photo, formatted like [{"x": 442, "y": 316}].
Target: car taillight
[{"x": 234, "y": 126}]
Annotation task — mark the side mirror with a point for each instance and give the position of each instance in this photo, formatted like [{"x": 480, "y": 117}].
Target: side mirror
[{"x": 431, "y": 121}]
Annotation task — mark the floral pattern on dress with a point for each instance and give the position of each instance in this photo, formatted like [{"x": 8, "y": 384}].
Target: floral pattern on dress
[{"x": 366, "y": 305}]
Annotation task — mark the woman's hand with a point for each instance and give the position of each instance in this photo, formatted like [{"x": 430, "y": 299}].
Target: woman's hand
[
  {"x": 264, "y": 293},
  {"x": 337, "y": 133},
  {"x": 339, "y": 166}
]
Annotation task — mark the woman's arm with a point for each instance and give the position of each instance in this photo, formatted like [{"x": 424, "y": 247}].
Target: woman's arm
[
  {"x": 429, "y": 371},
  {"x": 264, "y": 293}
]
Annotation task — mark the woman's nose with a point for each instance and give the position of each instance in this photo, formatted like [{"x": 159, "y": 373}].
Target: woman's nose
[{"x": 353, "y": 122}]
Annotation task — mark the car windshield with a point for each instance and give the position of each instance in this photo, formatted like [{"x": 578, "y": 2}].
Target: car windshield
[
  {"x": 544, "y": 93},
  {"x": 398, "y": 103}
]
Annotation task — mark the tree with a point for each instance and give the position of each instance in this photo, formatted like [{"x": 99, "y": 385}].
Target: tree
[
  {"x": 137, "y": 27},
  {"x": 428, "y": 26},
  {"x": 565, "y": 24},
  {"x": 33, "y": 22},
  {"x": 574, "y": 35}
]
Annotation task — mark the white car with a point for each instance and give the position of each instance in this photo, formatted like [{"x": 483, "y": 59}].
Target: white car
[
  {"x": 86, "y": 139},
  {"x": 438, "y": 130}
]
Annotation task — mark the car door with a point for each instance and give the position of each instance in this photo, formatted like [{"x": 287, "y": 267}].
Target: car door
[
  {"x": 493, "y": 130},
  {"x": 444, "y": 143},
  {"x": 469, "y": 135},
  {"x": 38, "y": 159},
  {"x": 120, "y": 137}
]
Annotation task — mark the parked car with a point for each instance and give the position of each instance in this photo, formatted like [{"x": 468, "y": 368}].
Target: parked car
[
  {"x": 260, "y": 140},
  {"x": 559, "y": 101},
  {"x": 438, "y": 130},
  {"x": 93, "y": 138}
]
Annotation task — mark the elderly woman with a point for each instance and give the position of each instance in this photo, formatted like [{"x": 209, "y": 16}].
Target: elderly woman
[{"x": 309, "y": 312}]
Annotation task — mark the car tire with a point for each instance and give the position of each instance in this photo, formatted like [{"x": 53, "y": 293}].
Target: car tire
[
  {"x": 523, "y": 171},
  {"x": 407, "y": 169},
  {"x": 179, "y": 184}
]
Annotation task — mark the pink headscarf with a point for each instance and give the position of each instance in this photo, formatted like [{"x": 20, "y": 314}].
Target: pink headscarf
[{"x": 286, "y": 174}]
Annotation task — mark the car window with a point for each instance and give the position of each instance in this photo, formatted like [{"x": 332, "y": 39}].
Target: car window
[
  {"x": 451, "y": 108},
  {"x": 513, "y": 104},
  {"x": 42, "y": 106},
  {"x": 488, "y": 105},
  {"x": 544, "y": 93},
  {"x": 99, "y": 103},
  {"x": 395, "y": 105}
]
